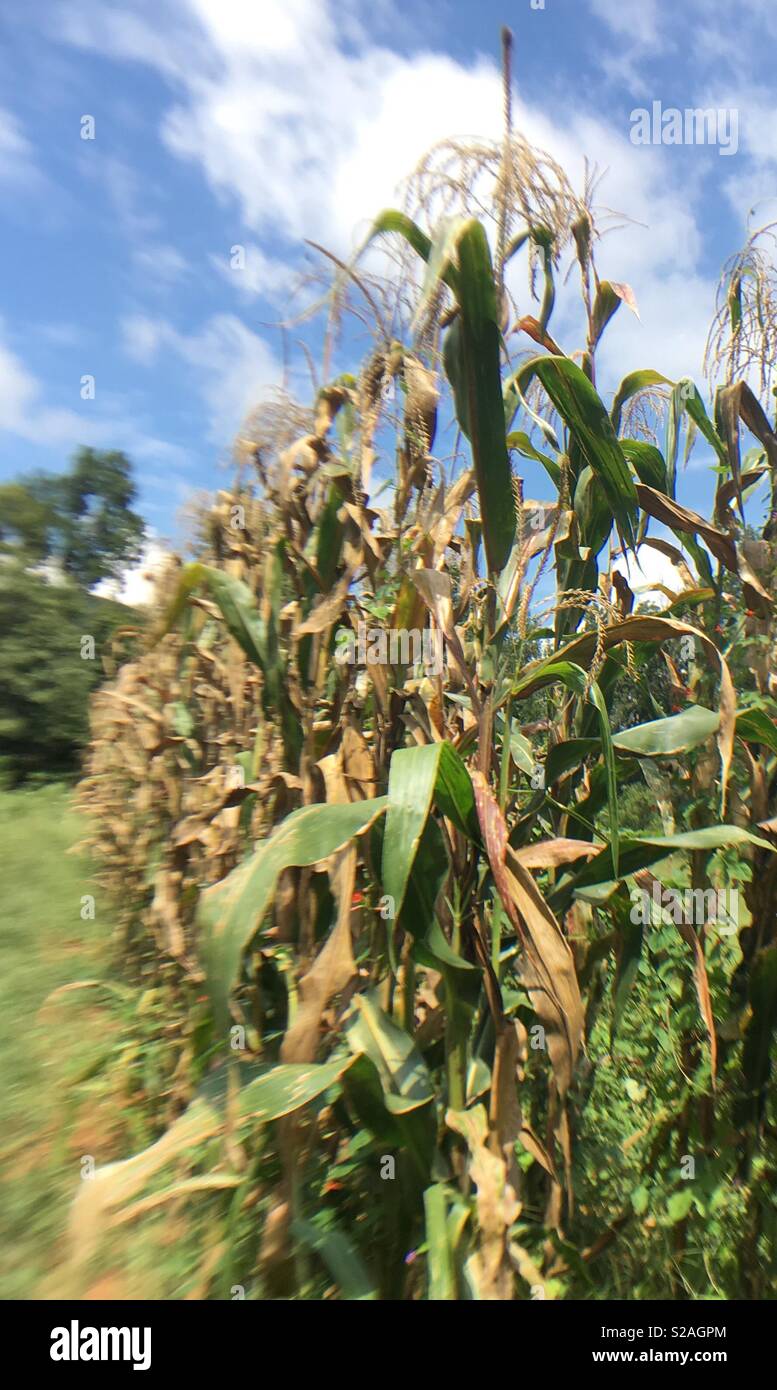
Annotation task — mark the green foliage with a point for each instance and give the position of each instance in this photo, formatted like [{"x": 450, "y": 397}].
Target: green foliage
[
  {"x": 82, "y": 518},
  {"x": 422, "y": 906},
  {"x": 45, "y": 682}
]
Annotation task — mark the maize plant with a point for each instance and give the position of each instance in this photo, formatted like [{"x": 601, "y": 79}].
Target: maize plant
[{"x": 411, "y": 906}]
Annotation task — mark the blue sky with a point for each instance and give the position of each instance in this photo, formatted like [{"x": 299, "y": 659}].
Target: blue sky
[{"x": 226, "y": 122}]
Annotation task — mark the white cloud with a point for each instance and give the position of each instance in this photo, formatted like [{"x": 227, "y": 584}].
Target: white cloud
[
  {"x": 129, "y": 192},
  {"x": 18, "y": 165},
  {"x": 232, "y": 365},
  {"x": 638, "y": 24},
  {"x": 308, "y": 135},
  {"x": 15, "y": 148},
  {"x": 253, "y": 273},
  {"x": 142, "y": 336},
  {"x": 651, "y": 567},
  {"x": 105, "y": 423},
  {"x": 160, "y": 262},
  {"x": 136, "y": 585},
  {"x": 60, "y": 334},
  {"x": 23, "y": 411},
  {"x": 313, "y": 141}
]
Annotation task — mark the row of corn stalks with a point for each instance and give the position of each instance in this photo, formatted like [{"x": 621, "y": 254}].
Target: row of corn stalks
[{"x": 404, "y": 888}]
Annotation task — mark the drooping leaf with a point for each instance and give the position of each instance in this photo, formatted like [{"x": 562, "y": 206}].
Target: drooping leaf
[
  {"x": 635, "y": 382},
  {"x": 331, "y": 971},
  {"x": 255, "y": 634},
  {"x": 609, "y": 297},
  {"x": 391, "y": 220},
  {"x": 644, "y": 628},
  {"x": 276, "y": 1092},
  {"x": 230, "y": 913},
  {"x": 733, "y": 403},
  {"x": 665, "y": 738},
  {"x": 549, "y": 854},
  {"x": 572, "y": 753},
  {"x": 647, "y": 461},
  {"x": 521, "y": 442},
  {"x": 416, "y": 777},
  {"x": 490, "y": 1268},
  {"x": 286, "y": 1088},
  {"x": 640, "y": 851},
  {"x": 683, "y": 519},
  {"x": 403, "y": 1073},
  {"x": 236, "y": 602},
  {"x": 584, "y": 414},
  {"x": 547, "y": 966},
  {"x": 578, "y": 681}
]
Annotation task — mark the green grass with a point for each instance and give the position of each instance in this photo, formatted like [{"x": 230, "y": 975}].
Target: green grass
[
  {"x": 81, "y": 1074},
  {"x": 45, "y": 944}
]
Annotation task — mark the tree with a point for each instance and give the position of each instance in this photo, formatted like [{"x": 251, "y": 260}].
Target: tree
[
  {"x": 84, "y": 518},
  {"x": 55, "y": 641},
  {"x": 25, "y": 521}
]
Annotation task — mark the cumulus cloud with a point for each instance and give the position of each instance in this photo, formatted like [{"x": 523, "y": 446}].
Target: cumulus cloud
[
  {"x": 648, "y": 569},
  {"x": 232, "y": 365},
  {"x": 303, "y": 124}
]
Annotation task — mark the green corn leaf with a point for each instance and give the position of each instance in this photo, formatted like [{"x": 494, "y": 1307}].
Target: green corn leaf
[
  {"x": 572, "y": 753},
  {"x": 522, "y": 444},
  {"x": 633, "y": 383},
  {"x": 440, "y": 1264},
  {"x": 460, "y": 256},
  {"x": 416, "y": 777},
  {"x": 403, "y": 1073},
  {"x": 472, "y": 363},
  {"x": 647, "y": 461},
  {"x": 755, "y": 726},
  {"x": 440, "y": 264},
  {"x": 288, "y": 1087},
  {"x": 279, "y": 1091},
  {"x": 391, "y": 220},
  {"x": 234, "y": 599},
  {"x": 664, "y": 738},
  {"x": 639, "y": 852},
  {"x": 584, "y": 414},
  {"x": 230, "y": 913},
  {"x": 341, "y": 1258},
  {"x": 577, "y": 680}
]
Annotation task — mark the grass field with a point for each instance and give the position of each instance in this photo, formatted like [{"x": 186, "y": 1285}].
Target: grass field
[
  {"x": 46, "y": 1046},
  {"x": 74, "y": 1069}
]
